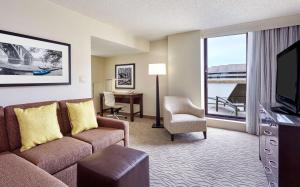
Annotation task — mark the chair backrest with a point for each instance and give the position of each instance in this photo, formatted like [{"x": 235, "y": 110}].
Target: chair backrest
[
  {"x": 177, "y": 104},
  {"x": 109, "y": 99},
  {"x": 3, "y": 134}
]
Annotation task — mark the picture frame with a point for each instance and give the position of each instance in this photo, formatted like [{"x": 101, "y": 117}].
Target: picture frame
[
  {"x": 125, "y": 76},
  {"x": 31, "y": 61}
]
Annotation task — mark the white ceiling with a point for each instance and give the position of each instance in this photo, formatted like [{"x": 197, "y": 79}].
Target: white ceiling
[
  {"x": 155, "y": 19},
  {"x": 106, "y": 48}
]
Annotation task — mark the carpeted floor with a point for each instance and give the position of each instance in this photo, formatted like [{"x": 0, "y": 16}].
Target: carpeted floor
[{"x": 226, "y": 158}]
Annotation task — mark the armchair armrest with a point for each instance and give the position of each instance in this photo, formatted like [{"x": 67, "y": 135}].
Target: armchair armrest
[
  {"x": 167, "y": 117},
  {"x": 117, "y": 124},
  {"x": 196, "y": 111}
]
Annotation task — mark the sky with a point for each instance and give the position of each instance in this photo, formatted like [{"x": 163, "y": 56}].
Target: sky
[{"x": 226, "y": 50}]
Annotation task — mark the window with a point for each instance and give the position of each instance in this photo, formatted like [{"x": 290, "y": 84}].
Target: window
[{"x": 225, "y": 76}]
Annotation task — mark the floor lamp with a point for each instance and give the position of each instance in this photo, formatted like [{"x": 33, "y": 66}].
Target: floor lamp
[{"x": 157, "y": 69}]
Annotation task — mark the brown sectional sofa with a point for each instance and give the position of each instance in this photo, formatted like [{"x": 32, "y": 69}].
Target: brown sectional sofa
[
  {"x": 16, "y": 171},
  {"x": 58, "y": 158},
  {"x": 3, "y": 135}
]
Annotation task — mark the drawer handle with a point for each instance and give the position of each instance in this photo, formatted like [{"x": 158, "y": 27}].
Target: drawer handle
[
  {"x": 266, "y": 132},
  {"x": 273, "y": 164},
  {"x": 268, "y": 170},
  {"x": 268, "y": 151},
  {"x": 272, "y": 184},
  {"x": 274, "y": 125},
  {"x": 273, "y": 142}
]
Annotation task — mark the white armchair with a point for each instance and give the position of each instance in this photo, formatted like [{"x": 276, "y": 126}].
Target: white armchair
[{"x": 182, "y": 116}]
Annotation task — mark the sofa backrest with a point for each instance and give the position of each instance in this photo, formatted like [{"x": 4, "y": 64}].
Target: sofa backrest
[
  {"x": 64, "y": 112},
  {"x": 3, "y": 134},
  {"x": 12, "y": 125}
]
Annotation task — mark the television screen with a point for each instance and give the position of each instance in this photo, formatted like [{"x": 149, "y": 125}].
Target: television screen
[{"x": 287, "y": 76}]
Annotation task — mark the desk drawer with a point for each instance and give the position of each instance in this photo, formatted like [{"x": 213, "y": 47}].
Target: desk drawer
[
  {"x": 273, "y": 183},
  {"x": 271, "y": 177},
  {"x": 271, "y": 130},
  {"x": 272, "y": 164}
]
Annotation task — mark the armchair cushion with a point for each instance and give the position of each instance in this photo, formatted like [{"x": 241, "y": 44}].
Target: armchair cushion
[
  {"x": 183, "y": 123},
  {"x": 184, "y": 118}
]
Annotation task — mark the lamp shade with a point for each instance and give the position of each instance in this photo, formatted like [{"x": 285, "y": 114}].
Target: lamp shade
[{"x": 157, "y": 69}]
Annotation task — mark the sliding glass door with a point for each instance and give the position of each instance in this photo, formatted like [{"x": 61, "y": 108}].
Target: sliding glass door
[{"x": 225, "y": 76}]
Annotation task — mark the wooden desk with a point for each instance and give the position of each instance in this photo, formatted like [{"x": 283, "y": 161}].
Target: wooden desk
[{"x": 131, "y": 98}]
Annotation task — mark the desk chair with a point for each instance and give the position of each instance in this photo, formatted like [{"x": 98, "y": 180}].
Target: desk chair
[{"x": 109, "y": 100}]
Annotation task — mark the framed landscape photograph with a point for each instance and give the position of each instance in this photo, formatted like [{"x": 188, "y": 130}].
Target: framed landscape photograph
[
  {"x": 31, "y": 61},
  {"x": 125, "y": 76}
]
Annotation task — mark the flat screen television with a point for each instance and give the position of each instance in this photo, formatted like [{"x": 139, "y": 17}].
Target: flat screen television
[{"x": 288, "y": 79}]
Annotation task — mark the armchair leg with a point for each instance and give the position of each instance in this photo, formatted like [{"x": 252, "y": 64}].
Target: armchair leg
[
  {"x": 172, "y": 137},
  {"x": 205, "y": 134}
]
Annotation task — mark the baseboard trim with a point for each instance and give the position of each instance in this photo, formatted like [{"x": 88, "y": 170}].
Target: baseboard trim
[
  {"x": 226, "y": 124},
  {"x": 211, "y": 122}
]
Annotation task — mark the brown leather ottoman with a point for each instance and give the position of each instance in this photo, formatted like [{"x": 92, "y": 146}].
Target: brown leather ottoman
[{"x": 115, "y": 166}]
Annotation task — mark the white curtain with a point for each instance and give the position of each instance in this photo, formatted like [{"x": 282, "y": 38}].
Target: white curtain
[{"x": 263, "y": 47}]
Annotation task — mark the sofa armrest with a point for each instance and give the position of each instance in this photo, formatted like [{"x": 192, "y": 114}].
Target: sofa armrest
[
  {"x": 117, "y": 124},
  {"x": 196, "y": 111}
]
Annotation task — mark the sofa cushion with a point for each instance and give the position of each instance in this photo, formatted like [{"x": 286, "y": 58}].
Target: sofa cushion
[
  {"x": 101, "y": 137},
  {"x": 64, "y": 114},
  {"x": 82, "y": 116},
  {"x": 12, "y": 125},
  {"x": 38, "y": 125},
  {"x": 3, "y": 135},
  {"x": 57, "y": 155},
  {"x": 15, "y": 171},
  {"x": 116, "y": 124}
]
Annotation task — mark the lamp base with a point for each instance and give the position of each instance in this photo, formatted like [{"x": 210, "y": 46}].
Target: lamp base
[{"x": 155, "y": 125}]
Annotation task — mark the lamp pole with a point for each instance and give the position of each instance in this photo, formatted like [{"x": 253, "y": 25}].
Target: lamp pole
[
  {"x": 157, "y": 123},
  {"x": 157, "y": 69}
]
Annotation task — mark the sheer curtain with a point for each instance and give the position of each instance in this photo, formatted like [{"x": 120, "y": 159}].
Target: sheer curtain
[{"x": 263, "y": 46}]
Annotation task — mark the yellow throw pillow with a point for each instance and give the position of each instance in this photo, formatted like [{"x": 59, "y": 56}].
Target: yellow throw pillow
[
  {"x": 82, "y": 116},
  {"x": 38, "y": 125}
]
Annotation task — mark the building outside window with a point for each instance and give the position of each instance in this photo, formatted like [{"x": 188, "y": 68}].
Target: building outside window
[{"x": 225, "y": 77}]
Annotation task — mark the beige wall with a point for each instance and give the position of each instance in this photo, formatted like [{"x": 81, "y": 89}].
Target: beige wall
[
  {"x": 98, "y": 81},
  {"x": 50, "y": 21},
  {"x": 143, "y": 82},
  {"x": 184, "y": 68}
]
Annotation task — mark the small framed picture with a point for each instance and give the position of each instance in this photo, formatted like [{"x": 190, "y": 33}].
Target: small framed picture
[
  {"x": 31, "y": 61},
  {"x": 125, "y": 76}
]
